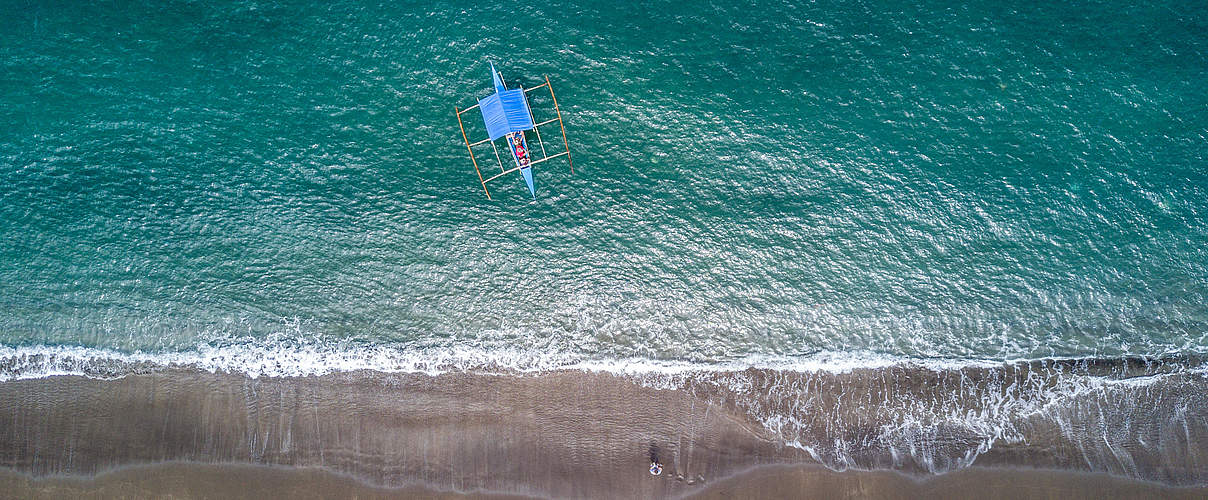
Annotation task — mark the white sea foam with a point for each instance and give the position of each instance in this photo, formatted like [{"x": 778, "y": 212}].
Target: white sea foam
[
  {"x": 291, "y": 358},
  {"x": 272, "y": 358}
]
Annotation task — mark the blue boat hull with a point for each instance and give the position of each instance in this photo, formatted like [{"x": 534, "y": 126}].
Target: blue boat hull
[{"x": 519, "y": 149}]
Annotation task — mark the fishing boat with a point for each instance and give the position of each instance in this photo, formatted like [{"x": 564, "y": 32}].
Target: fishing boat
[{"x": 506, "y": 114}]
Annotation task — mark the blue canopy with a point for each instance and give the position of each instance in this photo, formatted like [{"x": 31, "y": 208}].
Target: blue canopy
[{"x": 506, "y": 111}]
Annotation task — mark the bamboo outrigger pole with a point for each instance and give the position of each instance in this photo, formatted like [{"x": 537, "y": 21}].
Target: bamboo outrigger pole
[
  {"x": 467, "y": 139},
  {"x": 564, "y": 143}
]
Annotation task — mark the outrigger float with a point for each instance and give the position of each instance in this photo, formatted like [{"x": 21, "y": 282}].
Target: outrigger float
[{"x": 507, "y": 114}]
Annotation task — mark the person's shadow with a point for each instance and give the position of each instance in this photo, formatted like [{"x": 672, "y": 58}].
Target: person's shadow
[{"x": 656, "y": 467}]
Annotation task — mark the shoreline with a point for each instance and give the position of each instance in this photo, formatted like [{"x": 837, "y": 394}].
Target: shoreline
[
  {"x": 576, "y": 434},
  {"x": 317, "y": 359},
  {"x": 564, "y": 434}
]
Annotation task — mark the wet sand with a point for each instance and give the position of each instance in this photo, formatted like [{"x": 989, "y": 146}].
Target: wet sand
[
  {"x": 571, "y": 434},
  {"x": 565, "y": 434},
  {"x": 191, "y": 480},
  {"x": 980, "y": 483}
]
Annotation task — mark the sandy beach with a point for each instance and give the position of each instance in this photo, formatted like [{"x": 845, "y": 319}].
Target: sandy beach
[
  {"x": 193, "y": 480},
  {"x": 566, "y": 434}
]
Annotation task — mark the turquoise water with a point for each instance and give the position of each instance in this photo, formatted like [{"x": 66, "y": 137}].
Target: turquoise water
[{"x": 760, "y": 180}]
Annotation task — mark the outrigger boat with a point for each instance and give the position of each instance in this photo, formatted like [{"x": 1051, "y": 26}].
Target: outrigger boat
[{"x": 507, "y": 114}]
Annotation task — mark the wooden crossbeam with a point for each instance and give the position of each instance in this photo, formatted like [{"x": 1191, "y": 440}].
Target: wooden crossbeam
[
  {"x": 501, "y": 174},
  {"x": 513, "y": 169},
  {"x": 564, "y": 153},
  {"x": 544, "y": 123}
]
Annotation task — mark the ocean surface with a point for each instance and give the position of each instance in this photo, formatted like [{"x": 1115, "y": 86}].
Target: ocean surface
[{"x": 281, "y": 188}]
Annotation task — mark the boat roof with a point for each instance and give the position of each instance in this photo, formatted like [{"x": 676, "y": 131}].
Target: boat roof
[{"x": 505, "y": 111}]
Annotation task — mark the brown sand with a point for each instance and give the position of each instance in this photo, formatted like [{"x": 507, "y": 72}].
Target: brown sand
[
  {"x": 204, "y": 481},
  {"x": 565, "y": 434},
  {"x": 188, "y": 434},
  {"x": 980, "y": 483}
]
